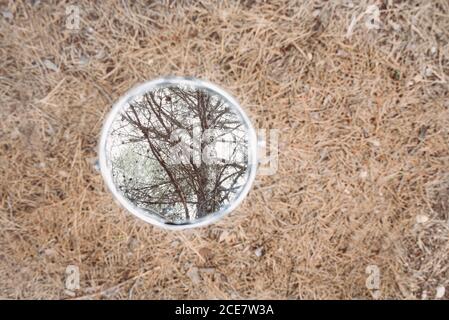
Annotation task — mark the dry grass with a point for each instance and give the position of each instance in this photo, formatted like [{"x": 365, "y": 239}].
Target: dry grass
[{"x": 364, "y": 153}]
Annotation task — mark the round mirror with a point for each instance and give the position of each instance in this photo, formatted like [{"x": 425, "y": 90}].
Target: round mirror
[{"x": 178, "y": 152}]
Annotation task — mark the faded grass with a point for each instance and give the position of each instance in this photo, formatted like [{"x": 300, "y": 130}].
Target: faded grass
[{"x": 364, "y": 154}]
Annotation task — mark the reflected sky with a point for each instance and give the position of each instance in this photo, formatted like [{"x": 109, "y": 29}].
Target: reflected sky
[{"x": 179, "y": 152}]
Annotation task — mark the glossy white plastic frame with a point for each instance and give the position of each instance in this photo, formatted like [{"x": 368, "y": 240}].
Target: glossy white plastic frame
[{"x": 149, "y": 215}]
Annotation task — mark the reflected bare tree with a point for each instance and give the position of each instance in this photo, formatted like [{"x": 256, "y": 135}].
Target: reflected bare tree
[{"x": 179, "y": 151}]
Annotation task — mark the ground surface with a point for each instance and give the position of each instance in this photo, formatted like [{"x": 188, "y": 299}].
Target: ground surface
[{"x": 364, "y": 149}]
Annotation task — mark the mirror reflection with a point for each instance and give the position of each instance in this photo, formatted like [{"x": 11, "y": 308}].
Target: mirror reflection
[{"x": 179, "y": 152}]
